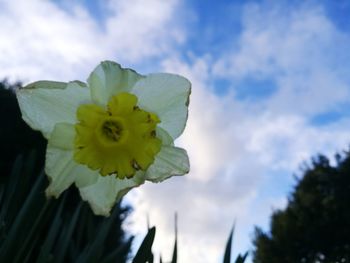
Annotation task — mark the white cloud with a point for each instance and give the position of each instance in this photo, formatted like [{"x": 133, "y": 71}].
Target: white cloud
[
  {"x": 144, "y": 30},
  {"x": 284, "y": 142},
  {"x": 41, "y": 41},
  {"x": 297, "y": 48}
]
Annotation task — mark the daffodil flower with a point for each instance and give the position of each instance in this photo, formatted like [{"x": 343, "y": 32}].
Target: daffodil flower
[{"x": 111, "y": 134}]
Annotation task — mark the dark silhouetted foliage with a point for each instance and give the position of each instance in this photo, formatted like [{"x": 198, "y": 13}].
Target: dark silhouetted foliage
[
  {"x": 315, "y": 226},
  {"x": 15, "y": 135}
]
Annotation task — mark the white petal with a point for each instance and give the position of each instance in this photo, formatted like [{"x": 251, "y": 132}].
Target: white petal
[
  {"x": 58, "y": 167},
  {"x": 62, "y": 136},
  {"x": 109, "y": 79},
  {"x": 168, "y": 162},
  {"x": 45, "y": 103},
  {"x": 84, "y": 176},
  {"x": 164, "y": 136},
  {"x": 62, "y": 171},
  {"x": 44, "y": 84},
  {"x": 107, "y": 191},
  {"x": 167, "y": 95}
]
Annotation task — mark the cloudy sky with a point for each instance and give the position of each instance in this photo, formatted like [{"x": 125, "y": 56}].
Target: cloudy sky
[{"x": 271, "y": 88}]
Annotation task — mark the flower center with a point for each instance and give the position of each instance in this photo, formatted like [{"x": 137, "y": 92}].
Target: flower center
[
  {"x": 118, "y": 140},
  {"x": 112, "y": 130}
]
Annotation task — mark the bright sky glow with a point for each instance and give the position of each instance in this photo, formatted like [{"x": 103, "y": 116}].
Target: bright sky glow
[{"x": 271, "y": 88}]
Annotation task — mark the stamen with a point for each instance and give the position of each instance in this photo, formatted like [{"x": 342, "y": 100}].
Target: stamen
[
  {"x": 112, "y": 130},
  {"x": 135, "y": 165},
  {"x": 153, "y": 133}
]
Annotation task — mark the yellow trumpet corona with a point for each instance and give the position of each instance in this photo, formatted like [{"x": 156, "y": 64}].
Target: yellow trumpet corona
[{"x": 118, "y": 140}]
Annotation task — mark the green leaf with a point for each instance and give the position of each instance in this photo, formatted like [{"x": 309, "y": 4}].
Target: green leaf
[
  {"x": 46, "y": 248},
  {"x": 65, "y": 237},
  {"x": 144, "y": 254},
  {"x": 174, "y": 259},
  {"x": 241, "y": 259},
  {"x": 95, "y": 250},
  {"x": 32, "y": 236},
  {"x": 9, "y": 191},
  {"x": 15, "y": 235},
  {"x": 117, "y": 252},
  {"x": 227, "y": 255}
]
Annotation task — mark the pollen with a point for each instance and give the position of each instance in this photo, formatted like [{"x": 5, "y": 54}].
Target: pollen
[{"x": 119, "y": 139}]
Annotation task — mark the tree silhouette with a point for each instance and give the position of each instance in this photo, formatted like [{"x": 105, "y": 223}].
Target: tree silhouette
[{"x": 315, "y": 226}]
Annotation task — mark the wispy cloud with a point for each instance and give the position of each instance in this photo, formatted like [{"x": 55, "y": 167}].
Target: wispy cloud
[
  {"x": 297, "y": 48},
  {"x": 41, "y": 40}
]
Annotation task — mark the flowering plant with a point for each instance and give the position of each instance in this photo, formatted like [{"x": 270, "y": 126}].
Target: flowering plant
[{"x": 112, "y": 133}]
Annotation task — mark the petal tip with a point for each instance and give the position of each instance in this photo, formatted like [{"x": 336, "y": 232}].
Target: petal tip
[
  {"x": 50, "y": 193},
  {"x": 99, "y": 212}
]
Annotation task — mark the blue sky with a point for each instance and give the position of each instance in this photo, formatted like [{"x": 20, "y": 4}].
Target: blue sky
[{"x": 271, "y": 88}]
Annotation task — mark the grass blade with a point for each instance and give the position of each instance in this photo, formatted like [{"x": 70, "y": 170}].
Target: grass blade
[
  {"x": 66, "y": 236},
  {"x": 145, "y": 251},
  {"x": 8, "y": 248},
  {"x": 174, "y": 259},
  {"x": 227, "y": 255},
  {"x": 48, "y": 244},
  {"x": 112, "y": 257},
  {"x": 32, "y": 236},
  {"x": 241, "y": 259}
]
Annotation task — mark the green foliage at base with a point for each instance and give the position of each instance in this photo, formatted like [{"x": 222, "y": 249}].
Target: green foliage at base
[
  {"x": 145, "y": 254},
  {"x": 35, "y": 229}
]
